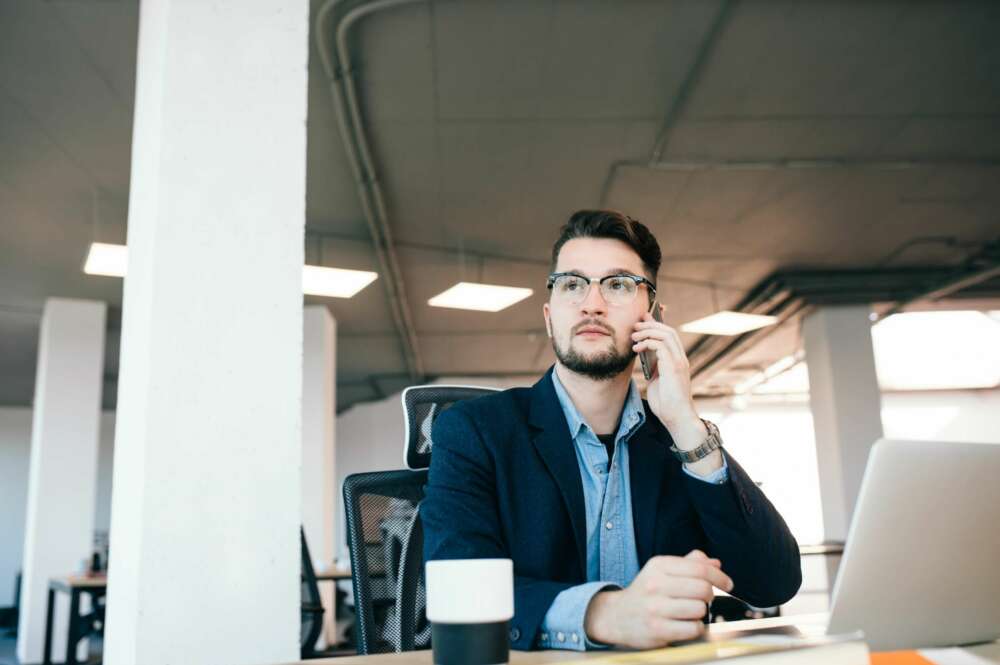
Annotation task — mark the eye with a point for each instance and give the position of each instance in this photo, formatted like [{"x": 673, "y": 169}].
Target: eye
[
  {"x": 619, "y": 283},
  {"x": 570, "y": 284}
]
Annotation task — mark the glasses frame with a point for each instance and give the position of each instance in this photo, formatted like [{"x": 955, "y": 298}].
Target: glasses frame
[{"x": 638, "y": 279}]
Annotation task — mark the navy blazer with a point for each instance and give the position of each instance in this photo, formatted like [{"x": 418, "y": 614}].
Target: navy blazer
[{"x": 505, "y": 483}]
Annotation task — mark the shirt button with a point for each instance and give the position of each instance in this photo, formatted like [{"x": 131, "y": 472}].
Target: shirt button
[
  {"x": 609, "y": 526},
  {"x": 575, "y": 637},
  {"x": 561, "y": 637}
]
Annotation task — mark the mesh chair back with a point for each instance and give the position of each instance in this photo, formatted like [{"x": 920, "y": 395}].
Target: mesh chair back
[
  {"x": 312, "y": 604},
  {"x": 421, "y": 407},
  {"x": 385, "y": 542}
]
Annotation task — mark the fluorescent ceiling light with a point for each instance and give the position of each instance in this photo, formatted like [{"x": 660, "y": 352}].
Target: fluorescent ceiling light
[
  {"x": 334, "y": 282},
  {"x": 479, "y": 297},
  {"x": 729, "y": 323},
  {"x": 107, "y": 260},
  {"x": 112, "y": 261}
]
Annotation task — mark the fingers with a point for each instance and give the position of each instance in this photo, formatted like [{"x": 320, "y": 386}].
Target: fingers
[
  {"x": 699, "y": 555},
  {"x": 695, "y": 590},
  {"x": 672, "y": 630},
  {"x": 679, "y": 608},
  {"x": 692, "y": 568},
  {"x": 665, "y": 334}
]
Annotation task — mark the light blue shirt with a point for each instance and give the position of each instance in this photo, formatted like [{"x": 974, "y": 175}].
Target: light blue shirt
[{"x": 612, "y": 561}]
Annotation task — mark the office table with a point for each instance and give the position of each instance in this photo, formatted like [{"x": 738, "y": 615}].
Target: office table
[
  {"x": 333, "y": 574},
  {"x": 80, "y": 625},
  {"x": 806, "y": 624}
]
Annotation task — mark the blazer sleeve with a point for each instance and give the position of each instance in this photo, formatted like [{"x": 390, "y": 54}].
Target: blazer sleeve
[
  {"x": 747, "y": 534},
  {"x": 461, "y": 517}
]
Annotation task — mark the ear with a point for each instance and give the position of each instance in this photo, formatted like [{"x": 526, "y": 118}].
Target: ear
[{"x": 548, "y": 320}]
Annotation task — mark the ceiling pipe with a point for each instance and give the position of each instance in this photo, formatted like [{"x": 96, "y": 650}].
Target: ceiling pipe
[
  {"x": 949, "y": 287},
  {"x": 340, "y": 76}
]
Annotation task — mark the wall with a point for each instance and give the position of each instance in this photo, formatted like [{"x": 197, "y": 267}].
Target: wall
[{"x": 15, "y": 444}]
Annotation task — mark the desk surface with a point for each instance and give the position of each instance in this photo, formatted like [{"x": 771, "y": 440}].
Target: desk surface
[
  {"x": 808, "y": 624},
  {"x": 70, "y": 582},
  {"x": 333, "y": 573}
]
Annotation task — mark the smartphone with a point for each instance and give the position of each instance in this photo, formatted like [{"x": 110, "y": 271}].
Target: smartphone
[{"x": 648, "y": 358}]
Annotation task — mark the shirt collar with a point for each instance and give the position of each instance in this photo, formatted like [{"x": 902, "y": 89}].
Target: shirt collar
[{"x": 633, "y": 415}]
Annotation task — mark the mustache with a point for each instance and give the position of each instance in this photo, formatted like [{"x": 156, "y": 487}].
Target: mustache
[{"x": 595, "y": 324}]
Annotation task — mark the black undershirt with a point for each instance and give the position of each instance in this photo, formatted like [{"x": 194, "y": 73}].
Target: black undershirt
[{"x": 609, "y": 442}]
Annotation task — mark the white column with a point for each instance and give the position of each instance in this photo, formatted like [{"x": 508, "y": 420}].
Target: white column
[
  {"x": 319, "y": 403},
  {"x": 62, "y": 482},
  {"x": 204, "y": 555},
  {"x": 846, "y": 406}
]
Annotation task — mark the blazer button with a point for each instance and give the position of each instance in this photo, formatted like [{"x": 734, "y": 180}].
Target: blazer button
[{"x": 515, "y": 634}]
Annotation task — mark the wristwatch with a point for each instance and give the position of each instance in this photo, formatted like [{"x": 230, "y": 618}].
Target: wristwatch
[{"x": 711, "y": 444}]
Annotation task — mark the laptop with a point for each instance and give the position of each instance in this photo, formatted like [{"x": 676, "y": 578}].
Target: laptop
[
  {"x": 922, "y": 563},
  {"x": 921, "y": 567}
]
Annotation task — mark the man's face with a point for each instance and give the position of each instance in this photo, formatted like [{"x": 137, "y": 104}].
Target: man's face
[{"x": 593, "y": 338}]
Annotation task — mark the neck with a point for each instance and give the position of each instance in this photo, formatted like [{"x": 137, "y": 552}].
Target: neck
[{"x": 599, "y": 402}]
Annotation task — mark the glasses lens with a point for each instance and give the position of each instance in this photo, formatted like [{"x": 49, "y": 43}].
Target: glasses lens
[
  {"x": 570, "y": 288},
  {"x": 618, "y": 290}
]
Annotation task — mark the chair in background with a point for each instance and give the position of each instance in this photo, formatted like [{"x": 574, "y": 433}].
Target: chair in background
[
  {"x": 311, "y": 604},
  {"x": 385, "y": 535},
  {"x": 312, "y": 610}
]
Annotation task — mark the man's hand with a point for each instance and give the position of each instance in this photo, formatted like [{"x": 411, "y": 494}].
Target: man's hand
[
  {"x": 669, "y": 390},
  {"x": 665, "y": 603}
]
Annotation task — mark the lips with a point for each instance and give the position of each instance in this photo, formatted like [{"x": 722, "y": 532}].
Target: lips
[{"x": 592, "y": 330}]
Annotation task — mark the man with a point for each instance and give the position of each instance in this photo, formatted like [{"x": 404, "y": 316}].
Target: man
[{"x": 620, "y": 515}]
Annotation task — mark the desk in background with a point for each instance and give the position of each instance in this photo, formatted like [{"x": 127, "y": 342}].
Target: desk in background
[{"x": 80, "y": 625}]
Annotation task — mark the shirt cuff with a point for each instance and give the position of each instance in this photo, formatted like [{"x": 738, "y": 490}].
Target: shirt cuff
[
  {"x": 562, "y": 627},
  {"x": 718, "y": 477}
]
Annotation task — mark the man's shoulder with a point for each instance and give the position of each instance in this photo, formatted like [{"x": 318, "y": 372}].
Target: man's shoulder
[{"x": 509, "y": 405}]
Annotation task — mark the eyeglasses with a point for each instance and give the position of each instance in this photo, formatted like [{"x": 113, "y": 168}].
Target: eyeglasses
[{"x": 572, "y": 288}]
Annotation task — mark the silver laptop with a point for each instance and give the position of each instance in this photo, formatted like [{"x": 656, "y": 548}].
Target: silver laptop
[{"x": 922, "y": 563}]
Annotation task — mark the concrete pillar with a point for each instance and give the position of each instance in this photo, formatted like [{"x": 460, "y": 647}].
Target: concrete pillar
[
  {"x": 846, "y": 406},
  {"x": 319, "y": 403},
  {"x": 206, "y": 502},
  {"x": 62, "y": 482}
]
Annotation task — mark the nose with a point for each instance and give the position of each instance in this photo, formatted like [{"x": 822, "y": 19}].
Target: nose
[{"x": 594, "y": 303}]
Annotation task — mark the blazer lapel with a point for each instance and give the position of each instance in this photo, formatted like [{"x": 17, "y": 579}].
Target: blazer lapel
[
  {"x": 555, "y": 446},
  {"x": 647, "y": 467}
]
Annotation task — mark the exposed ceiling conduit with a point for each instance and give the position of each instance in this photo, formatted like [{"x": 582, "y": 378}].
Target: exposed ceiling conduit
[{"x": 340, "y": 75}]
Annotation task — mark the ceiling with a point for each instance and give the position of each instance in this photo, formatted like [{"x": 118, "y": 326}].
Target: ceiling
[{"x": 786, "y": 135}]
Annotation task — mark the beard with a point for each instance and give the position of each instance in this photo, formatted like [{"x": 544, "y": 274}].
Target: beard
[{"x": 600, "y": 366}]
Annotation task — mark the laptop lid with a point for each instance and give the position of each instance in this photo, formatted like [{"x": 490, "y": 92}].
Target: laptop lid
[{"x": 921, "y": 566}]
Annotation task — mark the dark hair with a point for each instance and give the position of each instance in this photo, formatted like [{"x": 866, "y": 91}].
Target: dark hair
[{"x": 617, "y": 226}]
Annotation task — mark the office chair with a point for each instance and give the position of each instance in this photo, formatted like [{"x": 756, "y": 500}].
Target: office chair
[
  {"x": 311, "y": 604},
  {"x": 385, "y": 534}
]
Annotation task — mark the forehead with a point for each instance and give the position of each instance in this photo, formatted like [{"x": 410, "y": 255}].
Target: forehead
[{"x": 596, "y": 257}]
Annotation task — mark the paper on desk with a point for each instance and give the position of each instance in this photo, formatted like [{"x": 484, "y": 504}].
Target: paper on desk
[
  {"x": 952, "y": 656},
  {"x": 691, "y": 653}
]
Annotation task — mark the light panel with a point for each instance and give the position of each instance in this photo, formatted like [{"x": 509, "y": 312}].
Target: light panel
[
  {"x": 479, "y": 297},
  {"x": 112, "y": 261},
  {"x": 728, "y": 323},
  {"x": 334, "y": 282},
  {"x": 105, "y": 259}
]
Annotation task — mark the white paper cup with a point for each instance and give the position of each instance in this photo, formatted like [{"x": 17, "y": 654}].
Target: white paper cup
[{"x": 470, "y": 603}]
